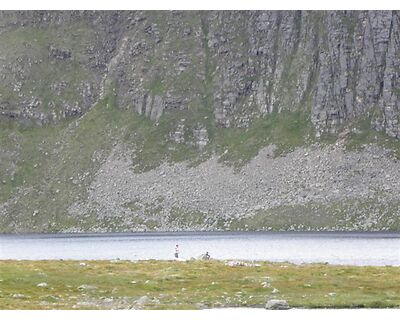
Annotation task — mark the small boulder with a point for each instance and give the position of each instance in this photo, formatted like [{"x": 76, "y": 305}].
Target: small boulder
[
  {"x": 277, "y": 305},
  {"x": 200, "y": 306},
  {"x": 87, "y": 287},
  {"x": 42, "y": 285},
  {"x": 143, "y": 300}
]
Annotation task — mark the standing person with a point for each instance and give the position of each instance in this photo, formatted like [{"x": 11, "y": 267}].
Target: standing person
[{"x": 176, "y": 252}]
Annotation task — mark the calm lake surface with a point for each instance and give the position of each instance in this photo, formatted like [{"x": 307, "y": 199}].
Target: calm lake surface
[{"x": 297, "y": 247}]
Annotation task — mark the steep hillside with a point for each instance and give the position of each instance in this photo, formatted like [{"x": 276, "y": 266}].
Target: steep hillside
[{"x": 123, "y": 121}]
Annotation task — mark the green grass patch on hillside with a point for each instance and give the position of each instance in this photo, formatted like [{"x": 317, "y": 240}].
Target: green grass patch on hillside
[
  {"x": 287, "y": 130},
  {"x": 350, "y": 214},
  {"x": 363, "y": 134},
  {"x": 32, "y": 146},
  {"x": 156, "y": 87},
  {"x": 28, "y": 48},
  {"x": 236, "y": 146},
  {"x": 58, "y": 162}
]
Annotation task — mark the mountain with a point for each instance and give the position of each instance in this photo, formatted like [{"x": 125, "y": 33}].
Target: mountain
[{"x": 184, "y": 120}]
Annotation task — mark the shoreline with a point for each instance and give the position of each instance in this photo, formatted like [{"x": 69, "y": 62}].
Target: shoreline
[
  {"x": 195, "y": 232},
  {"x": 251, "y": 261}
]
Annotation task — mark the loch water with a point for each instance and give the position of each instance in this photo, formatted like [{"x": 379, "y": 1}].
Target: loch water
[{"x": 345, "y": 248}]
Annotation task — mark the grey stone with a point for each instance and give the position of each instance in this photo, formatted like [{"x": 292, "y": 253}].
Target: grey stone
[
  {"x": 42, "y": 285},
  {"x": 277, "y": 305},
  {"x": 275, "y": 291},
  {"x": 143, "y": 300},
  {"x": 87, "y": 287}
]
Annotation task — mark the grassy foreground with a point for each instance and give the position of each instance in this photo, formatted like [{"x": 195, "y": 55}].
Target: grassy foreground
[{"x": 192, "y": 285}]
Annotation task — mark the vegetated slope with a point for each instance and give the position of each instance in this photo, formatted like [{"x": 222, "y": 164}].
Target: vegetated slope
[{"x": 121, "y": 121}]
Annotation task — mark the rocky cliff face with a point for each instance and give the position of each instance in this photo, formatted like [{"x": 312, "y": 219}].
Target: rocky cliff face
[
  {"x": 76, "y": 87},
  {"x": 240, "y": 64}
]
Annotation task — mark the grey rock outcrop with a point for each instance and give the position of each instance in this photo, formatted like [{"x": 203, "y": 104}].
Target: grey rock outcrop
[
  {"x": 277, "y": 305},
  {"x": 143, "y": 300},
  {"x": 239, "y": 64}
]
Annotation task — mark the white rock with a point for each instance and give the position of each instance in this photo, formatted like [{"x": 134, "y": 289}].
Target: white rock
[
  {"x": 42, "y": 285},
  {"x": 87, "y": 287}
]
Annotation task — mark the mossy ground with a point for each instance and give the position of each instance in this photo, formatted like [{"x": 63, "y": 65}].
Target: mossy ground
[
  {"x": 30, "y": 46},
  {"x": 335, "y": 215},
  {"x": 287, "y": 130},
  {"x": 364, "y": 134},
  {"x": 186, "y": 284}
]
